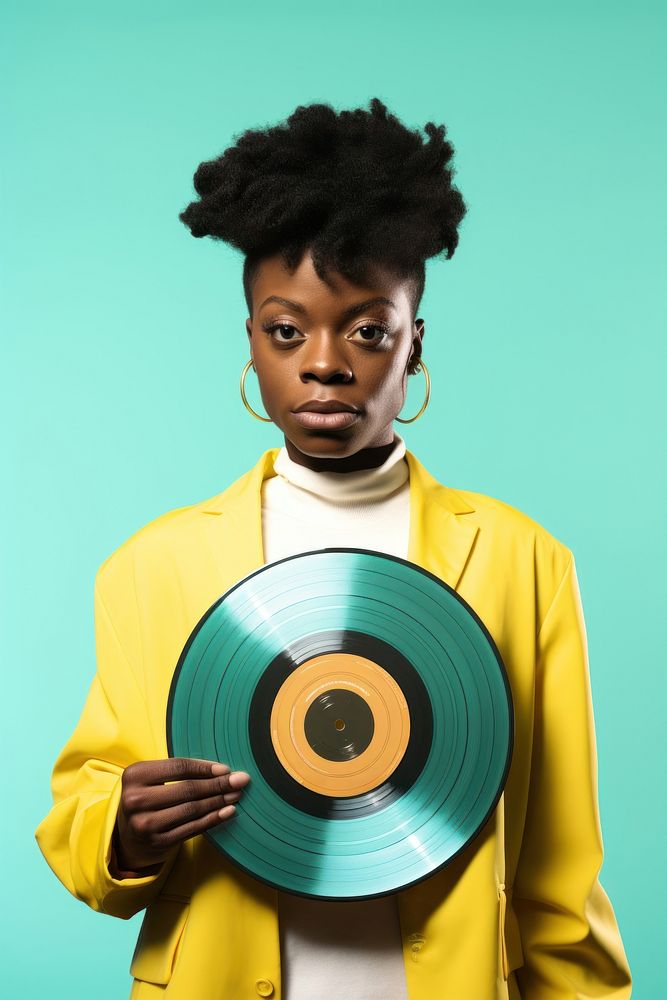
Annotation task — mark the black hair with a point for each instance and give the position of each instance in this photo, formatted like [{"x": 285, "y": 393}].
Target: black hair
[{"x": 356, "y": 187}]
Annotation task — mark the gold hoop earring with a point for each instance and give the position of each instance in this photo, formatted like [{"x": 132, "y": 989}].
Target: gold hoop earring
[
  {"x": 258, "y": 416},
  {"x": 421, "y": 366}
]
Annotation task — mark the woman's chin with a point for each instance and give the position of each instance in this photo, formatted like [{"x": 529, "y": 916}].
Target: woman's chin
[{"x": 325, "y": 444}]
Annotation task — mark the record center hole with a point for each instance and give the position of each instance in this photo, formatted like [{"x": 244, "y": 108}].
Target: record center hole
[{"x": 339, "y": 724}]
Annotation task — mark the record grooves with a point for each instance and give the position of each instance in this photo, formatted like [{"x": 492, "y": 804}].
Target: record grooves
[{"x": 370, "y": 706}]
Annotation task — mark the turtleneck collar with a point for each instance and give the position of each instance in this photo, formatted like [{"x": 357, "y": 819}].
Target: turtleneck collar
[{"x": 347, "y": 487}]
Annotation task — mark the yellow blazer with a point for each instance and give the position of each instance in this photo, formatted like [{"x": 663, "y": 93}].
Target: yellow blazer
[{"x": 520, "y": 913}]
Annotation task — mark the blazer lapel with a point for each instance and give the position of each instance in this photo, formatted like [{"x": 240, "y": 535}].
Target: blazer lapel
[
  {"x": 233, "y": 521},
  {"x": 440, "y": 539}
]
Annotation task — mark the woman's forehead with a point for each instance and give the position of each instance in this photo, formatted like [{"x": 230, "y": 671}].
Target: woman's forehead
[{"x": 303, "y": 287}]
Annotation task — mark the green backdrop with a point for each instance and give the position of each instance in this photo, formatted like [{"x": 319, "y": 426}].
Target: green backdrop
[{"x": 123, "y": 340}]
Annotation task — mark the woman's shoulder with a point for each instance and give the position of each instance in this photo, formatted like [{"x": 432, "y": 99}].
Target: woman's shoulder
[
  {"x": 169, "y": 530},
  {"x": 502, "y": 524},
  {"x": 510, "y": 527},
  {"x": 489, "y": 506},
  {"x": 149, "y": 537},
  {"x": 515, "y": 549}
]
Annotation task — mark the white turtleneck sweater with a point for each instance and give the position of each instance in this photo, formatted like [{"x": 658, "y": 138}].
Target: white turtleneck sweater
[{"x": 351, "y": 946}]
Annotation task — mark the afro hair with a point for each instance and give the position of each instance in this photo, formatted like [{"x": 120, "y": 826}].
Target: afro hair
[{"x": 356, "y": 187}]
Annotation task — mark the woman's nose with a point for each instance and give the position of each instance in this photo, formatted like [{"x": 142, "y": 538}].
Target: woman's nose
[{"x": 324, "y": 362}]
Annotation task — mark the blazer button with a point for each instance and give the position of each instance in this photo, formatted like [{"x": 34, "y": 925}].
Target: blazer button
[
  {"x": 264, "y": 987},
  {"x": 416, "y": 944}
]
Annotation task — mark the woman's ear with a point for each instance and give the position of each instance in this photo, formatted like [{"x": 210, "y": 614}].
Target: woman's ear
[
  {"x": 420, "y": 330},
  {"x": 248, "y": 329}
]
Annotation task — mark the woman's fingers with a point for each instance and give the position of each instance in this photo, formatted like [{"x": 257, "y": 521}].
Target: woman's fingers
[
  {"x": 142, "y": 791},
  {"x": 165, "y": 839},
  {"x": 156, "y": 772},
  {"x": 159, "y": 797},
  {"x": 191, "y": 811}
]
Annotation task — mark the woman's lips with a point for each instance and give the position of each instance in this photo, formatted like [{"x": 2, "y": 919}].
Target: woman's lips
[{"x": 325, "y": 421}]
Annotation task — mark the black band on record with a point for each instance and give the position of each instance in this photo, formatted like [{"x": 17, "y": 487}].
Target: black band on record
[{"x": 421, "y": 724}]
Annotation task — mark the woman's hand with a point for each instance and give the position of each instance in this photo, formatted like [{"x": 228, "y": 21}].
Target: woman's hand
[{"x": 153, "y": 816}]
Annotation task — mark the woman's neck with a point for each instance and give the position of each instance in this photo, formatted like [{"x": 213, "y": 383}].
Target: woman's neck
[{"x": 367, "y": 458}]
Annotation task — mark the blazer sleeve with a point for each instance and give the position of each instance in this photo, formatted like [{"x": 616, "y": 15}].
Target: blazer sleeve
[
  {"x": 113, "y": 731},
  {"x": 570, "y": 938}
]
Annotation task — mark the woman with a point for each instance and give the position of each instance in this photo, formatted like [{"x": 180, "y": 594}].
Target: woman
[{"x": 336, "y": 215}]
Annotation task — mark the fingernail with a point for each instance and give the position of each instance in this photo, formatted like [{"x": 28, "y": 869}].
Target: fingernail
[
  {"x": 226, "y": 811},
  {"x": 238, "y": 779},
  {"x": 219, "y": 768}
]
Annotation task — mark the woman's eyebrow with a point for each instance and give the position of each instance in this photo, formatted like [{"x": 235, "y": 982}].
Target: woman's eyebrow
[{"x": 349, "y": 311}]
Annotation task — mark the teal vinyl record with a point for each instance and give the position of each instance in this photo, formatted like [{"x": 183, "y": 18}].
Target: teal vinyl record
[{"x": 371, "y": 708}]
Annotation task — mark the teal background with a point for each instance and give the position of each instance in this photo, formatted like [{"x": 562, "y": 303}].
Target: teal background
[{"x": 123, "y": 340}]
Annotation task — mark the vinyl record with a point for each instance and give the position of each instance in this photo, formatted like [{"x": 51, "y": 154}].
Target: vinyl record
[{"x": 371, "y": 708}]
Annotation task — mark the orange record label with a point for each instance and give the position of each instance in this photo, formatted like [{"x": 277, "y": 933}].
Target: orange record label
[{"x": 322, "y": 685}]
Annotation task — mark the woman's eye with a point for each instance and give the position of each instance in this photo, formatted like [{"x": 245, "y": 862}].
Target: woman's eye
[
  {"x": 290, "y": 331},
  {"x": 377, "y": 332}
]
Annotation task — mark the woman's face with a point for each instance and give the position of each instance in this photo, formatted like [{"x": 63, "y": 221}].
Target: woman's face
[{"x": 319, "y": 345}]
